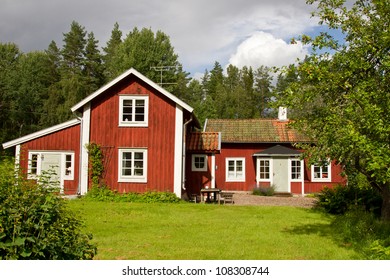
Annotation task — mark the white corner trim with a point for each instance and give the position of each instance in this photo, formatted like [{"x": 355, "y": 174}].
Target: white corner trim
[
  {"x": 178, "y": 159},
  {"x": 213, "y": 171},
  {"x": 85, "y": 134},
  {"x": 17, "y": 159},
  {"x": 41, "y": 133}
]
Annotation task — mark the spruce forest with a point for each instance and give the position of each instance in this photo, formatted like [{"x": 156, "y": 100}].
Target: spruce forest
[{"x": 38, "y": 88}]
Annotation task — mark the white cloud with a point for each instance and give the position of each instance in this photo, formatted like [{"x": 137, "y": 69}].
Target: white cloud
[{"x": 264, "y": 49}]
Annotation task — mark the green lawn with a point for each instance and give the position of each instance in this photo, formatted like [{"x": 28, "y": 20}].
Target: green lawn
[{"x": 137, "y": 231}]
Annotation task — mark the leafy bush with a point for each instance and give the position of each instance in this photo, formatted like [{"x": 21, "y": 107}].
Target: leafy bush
[
  {"x": 106, "y": 194},
  {"x": 36, "y": 223},
  {"x": 264, "y": 191},
  {"x": 341, "y": 198},
  {"x": 365, "y": 233}
]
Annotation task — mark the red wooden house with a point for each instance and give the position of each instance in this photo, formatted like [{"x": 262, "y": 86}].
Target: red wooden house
[
  {"x": 255, "y": 153},
  {"x": 149, "y": 141},
  {"x": 140, "y": 127}
]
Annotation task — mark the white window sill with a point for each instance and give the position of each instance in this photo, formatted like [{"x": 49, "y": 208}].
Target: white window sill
[{"x": 132, "y": 180}]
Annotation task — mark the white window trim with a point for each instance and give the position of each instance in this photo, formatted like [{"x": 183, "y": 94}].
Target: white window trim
[
  {"x": 329, "y": 179},
  {"x": 270, "y": 169},
  {"x": 133, "y": 123},
  {"x": 241, "y": 179},
  {"x": 30, "y": 155},
  {"x": 132, "y": 179},
  {"x": 194, "y": 168},
  {"x": 39, "y": 164},
  {"x": 63, "y": 159},
  {"x": 290, "y": 170}
]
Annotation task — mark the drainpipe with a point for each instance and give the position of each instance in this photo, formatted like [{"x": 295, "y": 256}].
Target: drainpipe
[{"x": 183, "y": 176}]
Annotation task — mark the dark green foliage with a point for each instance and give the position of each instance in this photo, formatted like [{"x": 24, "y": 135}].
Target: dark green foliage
[
  {"x": 362, "y": 231},
  {"x": 342, "y": 198},
  {"x": 264, "y": 191},
  {"x": 105, "y": 194},
  {"x": 341, "y": 98},
  {"x": 36, "y": 223}
]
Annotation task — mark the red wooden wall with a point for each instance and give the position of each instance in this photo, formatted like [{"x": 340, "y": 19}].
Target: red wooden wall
[
  {"x": 247, "y": 151},
  {"x": 196, "y": 180},
  {"x": 64, "y": 140},
  {"x": 158, "y": 137}
]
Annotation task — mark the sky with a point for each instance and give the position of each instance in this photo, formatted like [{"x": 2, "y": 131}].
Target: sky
[{"x": 238, "y": 32}]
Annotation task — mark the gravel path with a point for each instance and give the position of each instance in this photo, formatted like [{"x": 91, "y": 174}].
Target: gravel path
[{"x": 296, "y": 201}]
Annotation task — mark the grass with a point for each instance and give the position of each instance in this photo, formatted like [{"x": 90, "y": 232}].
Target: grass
[{"x": 138, "y": 231}]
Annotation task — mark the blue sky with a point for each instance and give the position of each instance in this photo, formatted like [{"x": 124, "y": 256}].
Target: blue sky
[{"x": 240, "y": 32}]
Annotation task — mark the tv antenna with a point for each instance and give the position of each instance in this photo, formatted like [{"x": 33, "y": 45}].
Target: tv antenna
[{"x": 162, "y": 69}]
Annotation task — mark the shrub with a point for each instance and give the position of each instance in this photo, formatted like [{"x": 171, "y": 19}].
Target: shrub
[
  {"x": 341, "y": 198},
  {"x": 36, "y": 223},
  {"x": 264, "y": 191},
  {"x": 106, "y": 194}
]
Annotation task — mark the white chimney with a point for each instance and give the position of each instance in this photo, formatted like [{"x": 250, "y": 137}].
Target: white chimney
[{"x": 282, "y": 115}]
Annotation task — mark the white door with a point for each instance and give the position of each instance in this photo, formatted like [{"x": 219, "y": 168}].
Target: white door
[
  {"x": 51, "y": 169},
  {"x": 280, "y": 174}
]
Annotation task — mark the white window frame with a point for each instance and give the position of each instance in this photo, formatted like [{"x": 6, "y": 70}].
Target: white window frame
[
  {"x": 300, "y": 170},
  {"x": 236, "y": 177},
  {"x": 259, "y": 179},
  {"x": 39, "y": 154},
  {"x": 69, "y": 176},
  {"x": 132, "y": 178},
  {"x": 327, "y": 179},
  {"x": 134, "y": 123},
  {"x": 199, "y": 169},
  {"x": 38, "y": 165}
]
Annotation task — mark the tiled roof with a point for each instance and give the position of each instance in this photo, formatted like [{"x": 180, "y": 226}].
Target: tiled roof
[
  {"x": 204, "y": 142},
  {"x": 255, "y": 131}
]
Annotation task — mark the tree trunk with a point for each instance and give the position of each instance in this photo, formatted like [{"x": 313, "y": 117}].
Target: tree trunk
[{"x": 385, "y": 214}]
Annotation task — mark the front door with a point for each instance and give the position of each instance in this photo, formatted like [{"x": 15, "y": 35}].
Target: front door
[
  {"x": 51, "y": 168},
  {"x": 280, "y": 174},
  {"x": 273, "y": 171}
]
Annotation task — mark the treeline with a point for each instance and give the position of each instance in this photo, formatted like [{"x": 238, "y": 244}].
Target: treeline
[{"x": 37, "y": 89}]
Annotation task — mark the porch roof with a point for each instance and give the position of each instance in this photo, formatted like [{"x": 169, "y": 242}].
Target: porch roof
[
  {"x": 209, "y": 142},
  {"x": 255, "y": 131},
  {"x": 278, "y": 150}
]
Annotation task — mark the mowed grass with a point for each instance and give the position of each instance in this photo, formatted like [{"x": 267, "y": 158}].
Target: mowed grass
[{"x": 137, "y": 231}]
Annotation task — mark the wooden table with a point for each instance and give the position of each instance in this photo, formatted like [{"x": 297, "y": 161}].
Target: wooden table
[{"x": 210, "y": 191}]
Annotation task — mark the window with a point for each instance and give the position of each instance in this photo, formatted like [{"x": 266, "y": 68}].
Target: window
[
  {"x": 59, "y": 161},
  {"x": 132, "y": 165},
  {"x": 235, "y": 170},
  {"x": 34, "y": 164},
  {"x": 264, "y": 170},
  {"x": 133, "y": 110},
  {"x": 199, "y": 162},
  {"x": 321, "y": 173},
  {"x": 69, "y": 166},
  {"x": 296, "y": 169}
]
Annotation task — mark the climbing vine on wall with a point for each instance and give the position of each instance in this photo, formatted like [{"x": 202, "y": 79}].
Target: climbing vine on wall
[{"x": 96, "y": 166}]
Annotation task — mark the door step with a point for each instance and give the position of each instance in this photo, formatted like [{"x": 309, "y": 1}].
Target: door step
[{"x": 283, "y": 194}]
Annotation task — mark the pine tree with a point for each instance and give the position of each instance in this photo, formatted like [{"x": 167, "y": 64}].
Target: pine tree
[
  {"x": 9, "y": 57},
  {"x": 93, "y": 70},
  {"x": 110, "y": 51},
  {"x": 263, "y": 92}
]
